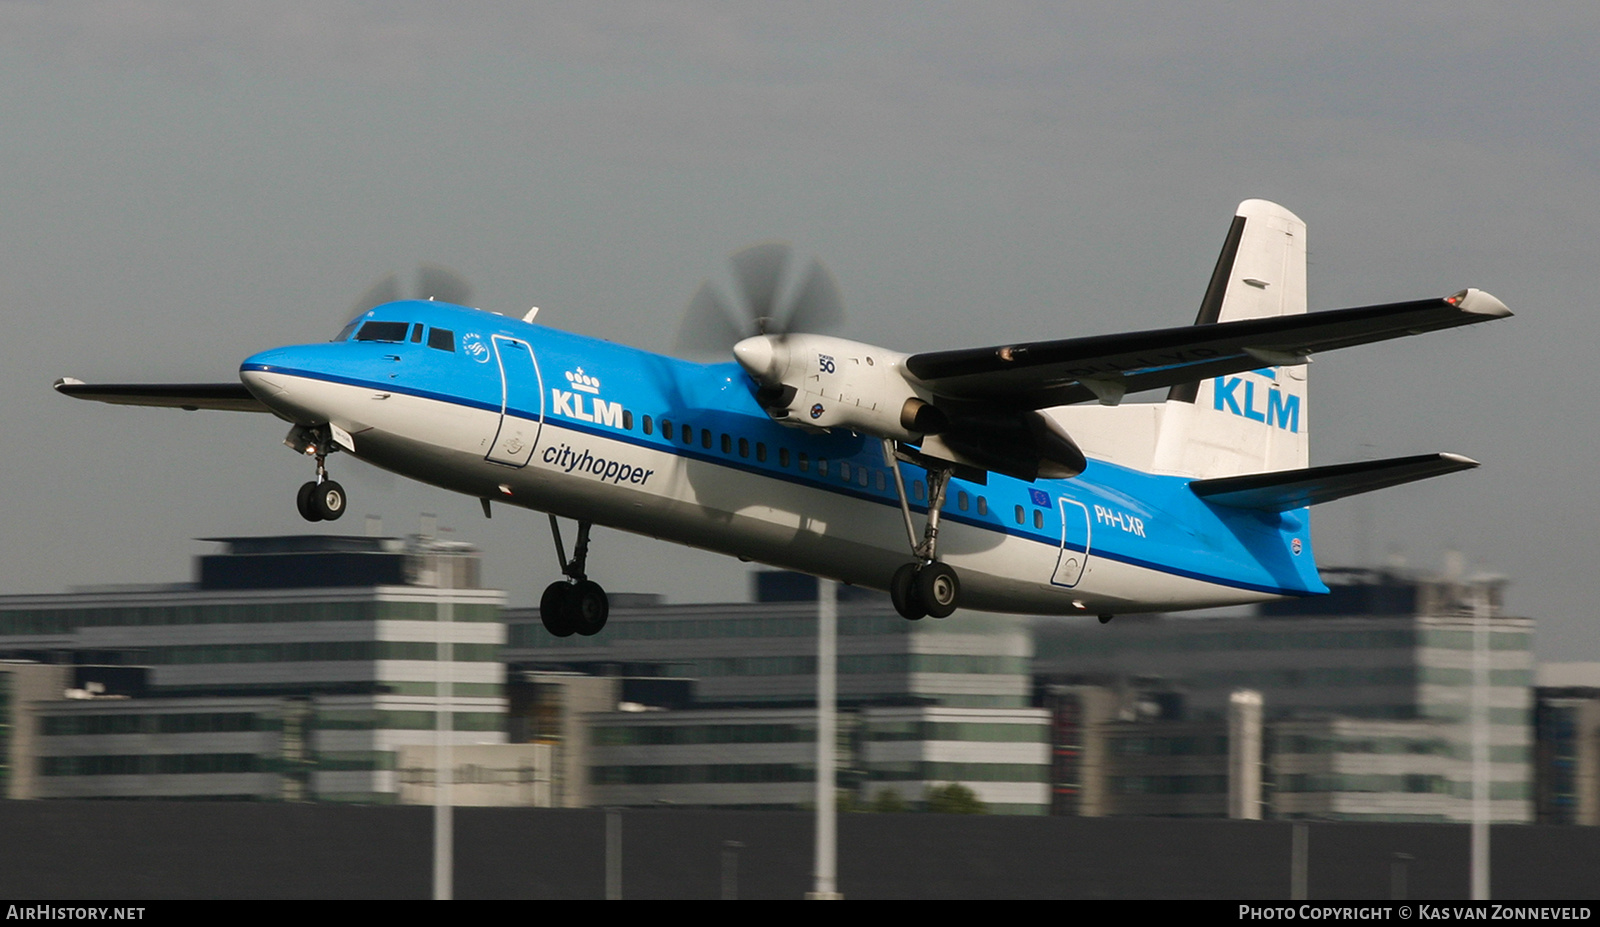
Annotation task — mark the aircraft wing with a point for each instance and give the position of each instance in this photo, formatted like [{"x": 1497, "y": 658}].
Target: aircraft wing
[
  {"x": 232, "y": 397},
  {"x": 1041, "y": 374}
]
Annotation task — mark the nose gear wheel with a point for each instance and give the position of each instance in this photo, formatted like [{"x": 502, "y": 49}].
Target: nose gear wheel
[{"x": 321, "y": 499}]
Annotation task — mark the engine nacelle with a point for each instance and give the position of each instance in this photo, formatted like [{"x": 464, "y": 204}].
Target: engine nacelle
[
  {"x": 816, "y": 381},
  {"x": 819, "y": 382}
]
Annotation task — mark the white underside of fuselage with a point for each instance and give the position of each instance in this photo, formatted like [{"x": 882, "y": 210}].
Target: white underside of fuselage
[{"x": 718, "y": 507}]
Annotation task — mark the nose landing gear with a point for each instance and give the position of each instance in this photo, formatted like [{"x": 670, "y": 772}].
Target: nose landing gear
[
  {"x": 321, "y": 499},
  {"x": 324, "y": 501}
]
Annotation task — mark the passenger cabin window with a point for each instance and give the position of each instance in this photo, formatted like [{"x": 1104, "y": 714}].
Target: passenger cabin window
[
  {"x": 649, "y": 426},
  {"x": 963, "y": 500},
  {"x": 442, "y": 338},
  {"x": 983, "y": 506},
  {"x": 666, "y": 428},
  {"x": 384, "y": 331},
  {"x": 1038, "y": 518}
]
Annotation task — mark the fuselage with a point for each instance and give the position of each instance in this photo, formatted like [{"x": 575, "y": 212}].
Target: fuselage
[{"x": 530, "y": 416}]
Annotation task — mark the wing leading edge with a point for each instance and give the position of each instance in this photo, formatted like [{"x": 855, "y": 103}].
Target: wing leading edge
[
  {"x": 230, "y": 397},
  {"x": 1042, "y": 374}
]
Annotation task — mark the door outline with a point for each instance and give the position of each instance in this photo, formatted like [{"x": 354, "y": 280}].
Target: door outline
[
  {"x": 516, "y": 438},
  {"x": 1071, "y": 563}
]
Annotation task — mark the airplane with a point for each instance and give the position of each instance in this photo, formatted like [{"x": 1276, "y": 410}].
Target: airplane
[{"x": 1010, "y": 478}]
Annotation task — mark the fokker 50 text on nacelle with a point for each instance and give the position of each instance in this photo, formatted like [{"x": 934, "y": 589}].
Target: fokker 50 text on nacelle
[{"x": 985, "y": 477}]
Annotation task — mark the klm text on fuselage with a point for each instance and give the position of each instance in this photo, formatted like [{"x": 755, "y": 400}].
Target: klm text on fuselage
[{"x": 571, "y": 406}]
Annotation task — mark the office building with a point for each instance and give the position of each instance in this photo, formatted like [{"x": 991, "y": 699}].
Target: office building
[
  {"x": 1366, "y": 694},
  {"x": 293, "y": 668}
]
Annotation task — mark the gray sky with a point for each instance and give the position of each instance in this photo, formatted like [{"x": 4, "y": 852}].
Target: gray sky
[{"x": 184, "y": 183}]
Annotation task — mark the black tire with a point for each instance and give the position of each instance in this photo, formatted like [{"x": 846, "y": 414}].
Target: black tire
[
  {"x": 553, "y": 610},
  {"x": 938, "y": 588},
  {"x": 903, "y": 593},
  {"x": 303, "y": 502},
  {"x": 589, "y": 607},
  {"x": 329, "y": 500}
]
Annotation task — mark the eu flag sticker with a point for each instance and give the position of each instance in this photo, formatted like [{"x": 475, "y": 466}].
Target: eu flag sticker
[{"x": 1040, "y": 497}]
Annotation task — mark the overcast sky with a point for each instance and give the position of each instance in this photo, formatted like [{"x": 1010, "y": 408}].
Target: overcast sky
[{"x": 183, "y": 184}]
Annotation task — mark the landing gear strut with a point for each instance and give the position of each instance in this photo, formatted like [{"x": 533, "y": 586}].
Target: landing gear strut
[
  {"x": 575, "y": 604},
  {"x": 925, "y": 586},
  {"x": 321, "y": 499}
]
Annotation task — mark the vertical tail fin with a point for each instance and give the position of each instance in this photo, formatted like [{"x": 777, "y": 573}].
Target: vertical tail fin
[{"x": 1256, "y": 421}]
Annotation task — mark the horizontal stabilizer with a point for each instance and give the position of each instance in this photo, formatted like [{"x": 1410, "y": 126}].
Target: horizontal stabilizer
[
  {"x": 1284, "y": 490},
  {"x": 232, "y": 397}
]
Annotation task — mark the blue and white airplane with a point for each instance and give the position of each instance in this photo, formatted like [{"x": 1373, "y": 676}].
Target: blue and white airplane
[{"x": 1008, "y": 478}]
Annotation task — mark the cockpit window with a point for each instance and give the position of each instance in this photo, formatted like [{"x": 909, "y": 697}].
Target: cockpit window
[
  {"x": 442, "y": 338},
  {"x": 344, "y": 333},
  {"x": 383, "y": 331}
]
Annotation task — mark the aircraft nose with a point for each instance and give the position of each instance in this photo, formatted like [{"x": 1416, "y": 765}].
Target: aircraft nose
[
  {"x": 284, "y": 379},
  {"x": 258, "y": 373}
]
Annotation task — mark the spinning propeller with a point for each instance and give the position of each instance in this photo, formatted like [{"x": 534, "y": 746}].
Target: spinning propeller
[
  {"x": 813, "y": 305},
  {"x": 434, "y": 281}
]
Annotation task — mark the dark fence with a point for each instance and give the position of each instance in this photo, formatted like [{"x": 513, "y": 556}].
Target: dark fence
[{"x": 155, "y": 850}]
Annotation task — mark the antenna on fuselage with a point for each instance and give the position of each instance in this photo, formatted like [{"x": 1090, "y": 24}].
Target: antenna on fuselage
[{"x": 531, "y": 313}]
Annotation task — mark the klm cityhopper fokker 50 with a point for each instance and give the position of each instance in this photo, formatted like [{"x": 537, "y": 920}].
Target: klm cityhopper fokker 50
[{"x": 1036, "y": 489}]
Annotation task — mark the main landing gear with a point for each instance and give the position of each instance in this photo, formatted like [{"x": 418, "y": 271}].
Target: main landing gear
[
  {"x": 575, "y": 604},
  {"x": 925, "y": 586},
  {"x": 321, "y": 499}
]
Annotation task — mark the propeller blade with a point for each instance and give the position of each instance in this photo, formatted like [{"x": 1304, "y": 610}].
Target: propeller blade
[
  {"x": 758, "y": 270},
  {"x": 435, "y": 281},
  {"x": 707, "y": 328},
  {"x": 817, "y": 307},
  {"x": 386, "y": 290}
]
